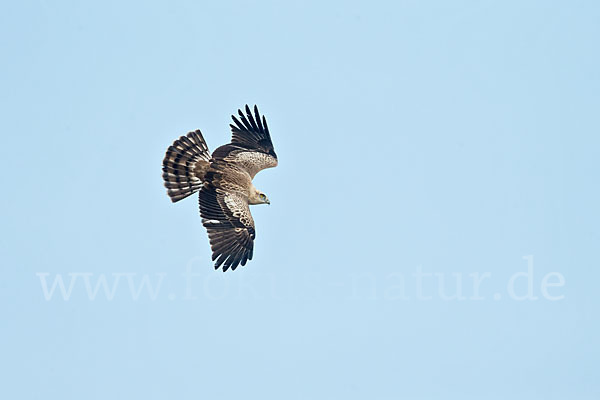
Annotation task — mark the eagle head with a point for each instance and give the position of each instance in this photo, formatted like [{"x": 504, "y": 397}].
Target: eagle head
[{"x": 258, "y": 197}]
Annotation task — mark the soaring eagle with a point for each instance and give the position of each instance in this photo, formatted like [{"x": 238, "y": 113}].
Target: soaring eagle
[{"x": 224, "y": 180}]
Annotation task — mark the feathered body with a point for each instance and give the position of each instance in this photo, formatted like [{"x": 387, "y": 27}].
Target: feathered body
[{"x": 224, "y": 180}]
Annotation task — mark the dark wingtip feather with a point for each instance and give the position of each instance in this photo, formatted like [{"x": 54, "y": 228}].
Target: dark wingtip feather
[
  {"x": 264, "y": 120},
  {"x": 250, "y": 128},
  {"x": 245, "y": 122},
  {"x": 251, "y": 119},
  {"x": 257, "y": 117}
]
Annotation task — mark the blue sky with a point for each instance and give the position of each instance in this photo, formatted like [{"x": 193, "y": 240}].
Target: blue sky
[{"x": 433, "y": 227}]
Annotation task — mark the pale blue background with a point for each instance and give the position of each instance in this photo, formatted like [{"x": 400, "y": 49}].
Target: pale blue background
[{"x": 456, "y": 136}]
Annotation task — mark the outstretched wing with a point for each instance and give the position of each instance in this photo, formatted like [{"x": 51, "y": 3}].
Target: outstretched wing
[
  {"x": 252, "y": 133},
  {"x": 226, "y": 216},
  {"x": 251, "y": 147}
]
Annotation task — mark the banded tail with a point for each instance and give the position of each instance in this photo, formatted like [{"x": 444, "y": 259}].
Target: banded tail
[{"x": 185, "y": 165}]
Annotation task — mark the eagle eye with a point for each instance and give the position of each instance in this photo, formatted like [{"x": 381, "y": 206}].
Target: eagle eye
[{"x": 262, "y": 196}]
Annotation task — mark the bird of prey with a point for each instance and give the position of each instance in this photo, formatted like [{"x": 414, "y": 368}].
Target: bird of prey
[{"x": 224, "y": 180}]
